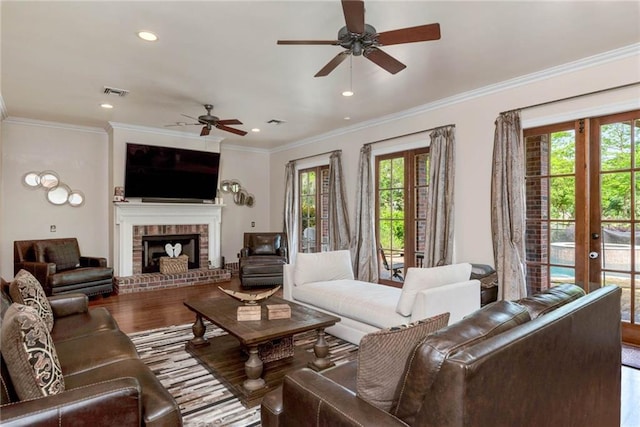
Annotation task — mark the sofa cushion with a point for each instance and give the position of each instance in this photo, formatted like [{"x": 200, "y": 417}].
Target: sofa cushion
[
  {"x": 383, "y": 355},
  {"x": 25, "y": 289},
  {"x": 65, "y": 255},
  {"x": 29, "y": 353},
  {"x": 550, "y": 299},
  {"x": 365, "y": 302},
  {"x": 81, "y": 324},
  {"x": 427, "y": 357},
  {"x": 265, "y": 245},
  {"x": 322, "y": 267},
  {"x": 418, "y": 279},
  {"x": 80, "y": 275}
]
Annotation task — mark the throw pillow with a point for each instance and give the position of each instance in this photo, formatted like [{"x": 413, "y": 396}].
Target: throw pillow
[
  {"x": 29, "y": 354},
  {"x": 65, "y": 255},
  {"x": 418, "y": 279},
  {"x": 265, "y": 245},
  {"x": 25, "y": 289},
  {"x": 382, "y": 357},
  {"x": 322, "y": 266}
]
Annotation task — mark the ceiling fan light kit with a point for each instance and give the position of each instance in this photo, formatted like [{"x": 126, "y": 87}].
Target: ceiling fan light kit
[{"x": 361, "y": 39}]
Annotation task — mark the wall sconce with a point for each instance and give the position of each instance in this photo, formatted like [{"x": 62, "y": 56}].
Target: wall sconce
[
  {"x": 240, "y": 195},
  {"x": 57, "y": 193}
]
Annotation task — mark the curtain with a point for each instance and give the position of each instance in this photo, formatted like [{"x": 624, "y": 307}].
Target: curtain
[
  {"x": 338, "y": 215},
  {"x": 439, "y": 233},
  {"x": 508, "y": 206},
  {"x": 363, "y": 245},
  {"x": 290, "y": 217}
]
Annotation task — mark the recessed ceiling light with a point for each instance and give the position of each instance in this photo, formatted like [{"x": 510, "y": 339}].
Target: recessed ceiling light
[
  {"x": 255, "y": 130},
  {"x": 347, "y": 93},
  {"x": 105, "y": 105},
  {"x": 148, "y": 36},
  {"x": 347, "y": 118}
]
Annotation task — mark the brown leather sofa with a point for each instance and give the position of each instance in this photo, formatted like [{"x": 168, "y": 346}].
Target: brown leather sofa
[
  {"x": 261, "y": 259},
  {"x": 106, "y": 384},
  {"x": 552, "y": 359},
  {"x": 59, "y": 267}
]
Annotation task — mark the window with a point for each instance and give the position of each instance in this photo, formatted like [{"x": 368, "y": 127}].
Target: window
[
  {"x": 402, "y": 181},
  {"x": 313, "y": 191}
]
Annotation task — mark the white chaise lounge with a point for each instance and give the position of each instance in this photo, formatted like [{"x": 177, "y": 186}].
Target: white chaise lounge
[{"x": 325, "y": 281}]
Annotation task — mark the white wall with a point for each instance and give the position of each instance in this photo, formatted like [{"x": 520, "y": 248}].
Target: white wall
[
  {"x": 251, "y": 168},
  {"x": 78, "y": 155},
  {"x": 474, "y": 114}
]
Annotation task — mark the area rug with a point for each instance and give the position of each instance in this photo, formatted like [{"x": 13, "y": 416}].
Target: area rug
[
  {"x": 204, "y": 401},
  {"x": 631, "y": 356}
]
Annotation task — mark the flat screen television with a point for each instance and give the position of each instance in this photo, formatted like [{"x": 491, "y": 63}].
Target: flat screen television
[{"x": 154, "y": 172}]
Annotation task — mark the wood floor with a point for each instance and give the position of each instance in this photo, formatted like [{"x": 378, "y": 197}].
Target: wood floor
[{"x": 155, "y": 309}]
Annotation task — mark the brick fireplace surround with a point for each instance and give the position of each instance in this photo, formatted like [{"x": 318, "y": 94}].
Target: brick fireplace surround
[{"x": 158, "y": 219}]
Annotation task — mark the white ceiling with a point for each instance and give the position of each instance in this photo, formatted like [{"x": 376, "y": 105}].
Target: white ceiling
[{"x": 58, "y": 56}]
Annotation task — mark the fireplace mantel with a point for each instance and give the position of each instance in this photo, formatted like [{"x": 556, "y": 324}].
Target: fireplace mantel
[{"x": 128, "y": 215}]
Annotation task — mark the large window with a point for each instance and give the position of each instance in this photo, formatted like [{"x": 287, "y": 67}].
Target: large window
[
  {"x": 402, "y": 181},
  {"x": 313, "y": 192}
]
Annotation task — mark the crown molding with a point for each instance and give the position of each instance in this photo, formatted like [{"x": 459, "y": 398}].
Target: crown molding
[
  {"x": 570, "y": 67},
  {"x": 53, "y": 125},
  {"x": 157, "y": 131},
  {"x": 242, "y": 148}
]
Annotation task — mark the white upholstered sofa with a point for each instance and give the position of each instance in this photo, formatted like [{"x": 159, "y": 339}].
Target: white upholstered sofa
[{"x": 325, "y": 281}]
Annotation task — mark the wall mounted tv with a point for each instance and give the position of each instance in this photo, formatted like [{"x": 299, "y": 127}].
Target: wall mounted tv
[{"x": 153, "y": 172}]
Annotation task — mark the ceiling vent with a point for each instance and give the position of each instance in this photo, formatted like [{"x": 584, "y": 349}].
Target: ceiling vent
[
  {"x": 275, "y": 122},
  {"x": 115, "y": 91}
]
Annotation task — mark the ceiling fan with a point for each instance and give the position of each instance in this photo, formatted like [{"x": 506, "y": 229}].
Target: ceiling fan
[
  {"x": 210, "y": 121},
  {"x": 359, "y": 38}
]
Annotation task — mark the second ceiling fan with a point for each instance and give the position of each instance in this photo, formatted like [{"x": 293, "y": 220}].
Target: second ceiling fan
[
  {"x": 359, "y": 38},
  {"x": 210, "y": 121}
]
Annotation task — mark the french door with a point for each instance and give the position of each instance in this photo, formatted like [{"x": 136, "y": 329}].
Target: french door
[{"x": 583, "y": 208}]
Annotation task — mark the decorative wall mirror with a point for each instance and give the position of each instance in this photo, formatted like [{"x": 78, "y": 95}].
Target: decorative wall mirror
[
  {"x": 240, "y": 195},
  {"x": 57, "y": 192}
]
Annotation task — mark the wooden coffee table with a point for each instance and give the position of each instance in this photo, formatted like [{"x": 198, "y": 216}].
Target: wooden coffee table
[{"x": 225, "y": 355}]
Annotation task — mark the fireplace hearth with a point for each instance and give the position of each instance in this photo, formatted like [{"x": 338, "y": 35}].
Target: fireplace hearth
[{"x": 154, "y": 247}]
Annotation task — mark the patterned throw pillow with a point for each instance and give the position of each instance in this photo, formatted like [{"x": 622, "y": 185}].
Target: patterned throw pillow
[
  {"x": 382, "y": 357},
  {"x": 29, "y": 354},
  {"x": 25, "y": 289}
]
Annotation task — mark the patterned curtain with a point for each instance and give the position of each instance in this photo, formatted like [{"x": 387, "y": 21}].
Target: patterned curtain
[
  {"x": 338, "y": 216},
  {"x": 290, "y": 217},
  {"x": 363, "y": 245},
  {"x": 508, "y": 206},
  {"x": 439, "y": 233}
]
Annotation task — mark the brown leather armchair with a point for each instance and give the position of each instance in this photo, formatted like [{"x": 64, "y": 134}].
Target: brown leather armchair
[
  {"x": 59, "y": 267},
  {"x": 262, "y": 258}
]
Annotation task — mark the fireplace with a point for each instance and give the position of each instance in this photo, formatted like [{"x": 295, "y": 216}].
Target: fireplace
[
  {"x": 135, "y": 220},
  {"x": 154, "y": 247}
]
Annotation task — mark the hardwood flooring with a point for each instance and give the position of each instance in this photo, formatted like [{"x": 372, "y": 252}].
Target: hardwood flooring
[{"x": 156, "y": 309}]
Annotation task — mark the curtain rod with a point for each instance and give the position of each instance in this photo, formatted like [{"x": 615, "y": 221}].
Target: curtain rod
[
  {"x": 568, "y": 98},
  {"x": 316, "y": 155},
  {"x": 407, "y": 134}
]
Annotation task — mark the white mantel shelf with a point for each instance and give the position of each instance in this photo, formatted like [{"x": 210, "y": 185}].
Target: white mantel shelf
[{"x": 129, "y": 214}]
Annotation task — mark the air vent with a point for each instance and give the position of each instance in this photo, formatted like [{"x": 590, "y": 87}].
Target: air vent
[
  {"x": 115, "y": 91},
  {"x": 275, "y": 122}
]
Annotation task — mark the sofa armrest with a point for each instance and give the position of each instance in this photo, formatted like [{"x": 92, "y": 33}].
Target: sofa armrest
[
  {"x": 109, "y": 403},
  {"x": 89, "y": 261},
  {"x": 68, "y": 304},
  {"x": 40, "y": 270},
  {"x": 307, "y": 395},
  {"x": 459, "y": 299},
  {"x": 283, "y": 253}
]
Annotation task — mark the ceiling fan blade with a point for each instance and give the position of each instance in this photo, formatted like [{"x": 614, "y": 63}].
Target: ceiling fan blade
[
  {"x": 189, "y": 117},
  {"x": 232, "y": 130},
  {"x": 294, "y": 42},
  {"x": 354, "y": 15},
  {"x": 384, "y": 60},
  {"x": 230, "y": 122},
  {"x": 205, "y": 131},
  {"x": 331, "y": 65},
  {"x": 421, "y": 33}
]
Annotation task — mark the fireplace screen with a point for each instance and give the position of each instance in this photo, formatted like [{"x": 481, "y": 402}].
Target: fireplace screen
[{"x": 154, "y": 247}]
